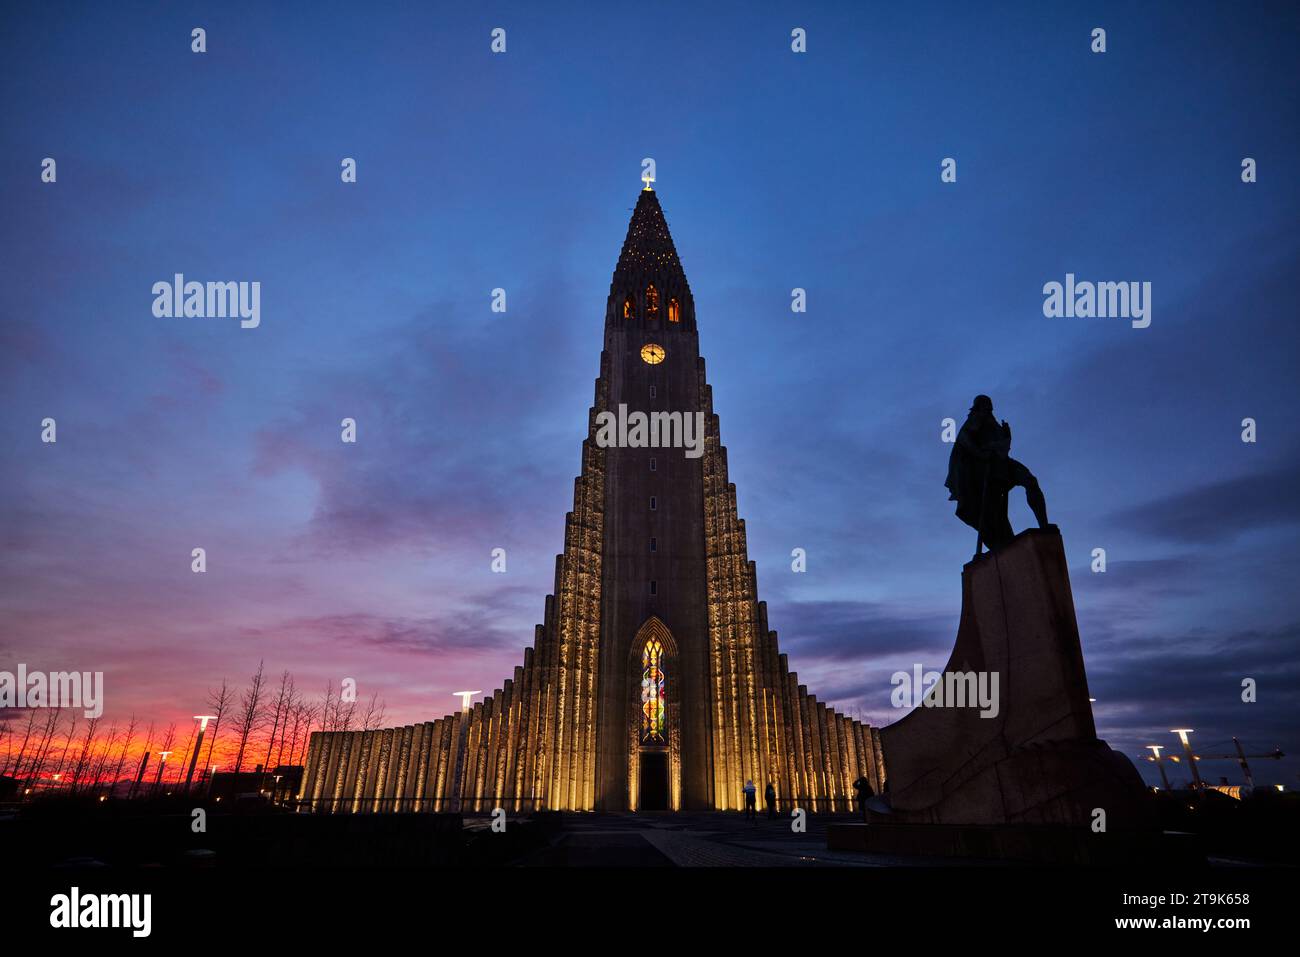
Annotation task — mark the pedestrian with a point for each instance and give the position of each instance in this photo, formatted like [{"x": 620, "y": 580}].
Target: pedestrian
[
  {"x": 863, "y": 787},
  {"x": 751, "y": 794},
  {"x": 769, "y": 796}
]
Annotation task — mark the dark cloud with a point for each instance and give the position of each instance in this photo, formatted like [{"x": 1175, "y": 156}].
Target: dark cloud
[
  {"x": 477, "y": 629},
  {"x": 1220, "y": 511},
  {"x": 857, "y": 631}
]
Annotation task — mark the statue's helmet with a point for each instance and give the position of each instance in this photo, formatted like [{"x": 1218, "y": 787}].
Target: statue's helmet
[{"x": 982, "y": 403}]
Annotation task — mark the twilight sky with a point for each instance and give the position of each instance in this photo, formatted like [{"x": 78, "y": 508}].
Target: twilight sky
[{"x": 519, "y": 171}]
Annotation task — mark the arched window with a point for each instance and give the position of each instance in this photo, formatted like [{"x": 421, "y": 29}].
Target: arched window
[
  {"x": 674, "y": 310},
  {"x": 653, "y": 696},
  {"x": 652, "y": 301},
  {"x": 628, "y": 309}
]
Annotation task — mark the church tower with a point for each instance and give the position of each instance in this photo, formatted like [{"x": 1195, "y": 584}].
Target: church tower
[
  {"x": 653, "y": 682},
  {"x": 655, "y": 572}
]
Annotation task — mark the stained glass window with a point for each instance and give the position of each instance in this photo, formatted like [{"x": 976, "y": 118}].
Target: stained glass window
[
  {"x": 627, "y": 308},
  {"x": 653, "y": 725},
  {"x": 674, "y": 311}
]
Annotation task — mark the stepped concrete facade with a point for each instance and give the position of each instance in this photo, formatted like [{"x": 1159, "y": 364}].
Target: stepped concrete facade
[{"x": 653, "y": 681}]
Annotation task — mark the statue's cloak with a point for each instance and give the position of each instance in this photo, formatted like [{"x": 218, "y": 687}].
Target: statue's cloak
[{"x": 978, "y": 461}]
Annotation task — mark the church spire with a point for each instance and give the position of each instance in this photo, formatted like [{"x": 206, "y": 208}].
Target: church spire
[{"x": 649, "y": 275}]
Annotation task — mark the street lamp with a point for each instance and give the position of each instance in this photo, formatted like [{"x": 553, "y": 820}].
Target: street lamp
[
  {"x": 162, "y": 763},
  {"x": 465, "y": 697},
  {"x": 1155, "y": 749},
  {"x": 1191, "y": 758},
  {"x": 203, "y": 720}
]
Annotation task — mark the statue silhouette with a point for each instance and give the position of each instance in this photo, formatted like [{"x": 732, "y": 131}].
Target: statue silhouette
[{"x": 981, "y": 473}]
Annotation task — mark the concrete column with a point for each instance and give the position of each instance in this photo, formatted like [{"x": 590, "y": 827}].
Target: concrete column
[
  {"x": 311, "y": 773},
  {"x": 405, "y": 737},
  {"x": 824, "y": 756},
  {"x": 533, "y": 721},
  {"x": 330, "y": 782},
  {"x": 800, "y": 779},
  {"x": 881, "y": 770},
  {"x": 848, "y": 759},
  {"x": 817, "y": 753},
  {"x": 417, "y": 767},
  {"x": 483, "y": 770},
  {"x": 347, "y": 772},
  {"x": 370, "y": 787},
  {"x": 506, "y": 709},
  {"x": 833, "y": 753},
  {"x": 360, "y": 799},
  {"x": 387, "y": 778},
  {"x": 470, "y": 775},
  {"x": 509, "y": 782},
  {"x": 812, "y": 743}
]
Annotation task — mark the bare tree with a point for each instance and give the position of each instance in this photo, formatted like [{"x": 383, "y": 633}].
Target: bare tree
[
  {"x": 121, "y": 758},
  {"x": 219, "y": 703},
  {"x": 22, "y": 748},
  {"x": 46, "y": 745},
  {"x": 327, "y": 708},
  {"x": 373, "y": 718},
  {"x": 168, "y": 740},
  {"x": 249, "y": 716},
  {"x": 309, "y": 713},
  {"x": 293, "y": 718},
  {"x": 279, "y": 714},
  {"x": 6, "y": 728},
  {"x": 103, "y": 766},
  {"x": 185, "y": 755},
  {"x": 67, "y": 743},
  {"x": 83, "y": 758}
]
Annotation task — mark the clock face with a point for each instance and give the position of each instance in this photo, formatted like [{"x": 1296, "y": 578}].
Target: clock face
[{"x": 652, "y": 353}]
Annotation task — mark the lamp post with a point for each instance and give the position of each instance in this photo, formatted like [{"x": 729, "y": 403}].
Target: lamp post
[
  {"x": 162, "y": 763},
  {"x": 1191, "y": 758},
  {"x": 1155, "y": 749},
  {"x": 203, "y": 720},
  {"x": 139, "y": 775}
]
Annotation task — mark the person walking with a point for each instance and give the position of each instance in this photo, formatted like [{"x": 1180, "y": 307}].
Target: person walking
[
  {"x": 863, "y": 787},
  {"x": 751, "y": 795},
  {"x": 769, "y": 797}
]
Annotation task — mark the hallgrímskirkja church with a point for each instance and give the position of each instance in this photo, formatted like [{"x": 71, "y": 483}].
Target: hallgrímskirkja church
[{"x": 653, "y": 682}]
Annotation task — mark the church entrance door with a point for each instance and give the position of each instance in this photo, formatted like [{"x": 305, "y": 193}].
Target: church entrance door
[{"x": 654, "y": 781}]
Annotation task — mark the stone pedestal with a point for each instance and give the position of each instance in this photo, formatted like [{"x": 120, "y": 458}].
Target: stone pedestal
[{"x": 1039, "y": 761}]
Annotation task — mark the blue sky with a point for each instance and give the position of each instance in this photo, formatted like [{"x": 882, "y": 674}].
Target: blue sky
[{"x": 519, "y": 171}]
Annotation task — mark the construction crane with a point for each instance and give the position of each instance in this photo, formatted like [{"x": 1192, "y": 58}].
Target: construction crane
[
  {"x": 1240, "y": 757},
  {"x": 1192, "y": 758}
]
